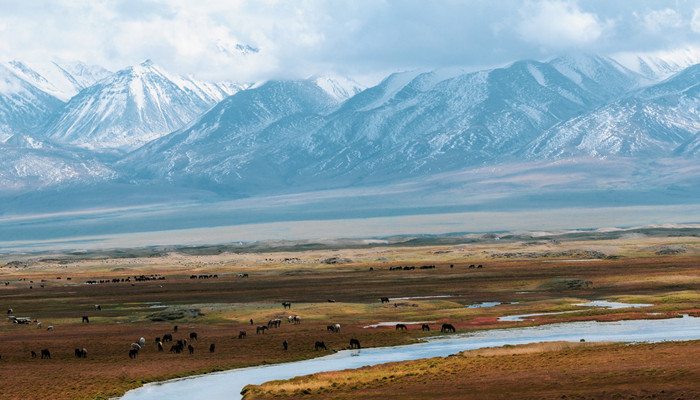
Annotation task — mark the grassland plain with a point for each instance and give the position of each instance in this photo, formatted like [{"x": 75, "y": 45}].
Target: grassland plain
[{"x": 525, "y": 274}]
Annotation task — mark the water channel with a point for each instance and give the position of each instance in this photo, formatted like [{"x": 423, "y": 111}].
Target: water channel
[{"x": 228, "y": 384}]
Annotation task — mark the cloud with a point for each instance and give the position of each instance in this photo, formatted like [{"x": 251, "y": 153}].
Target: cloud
[
  {"x": 658, "y": 20},
  {"x": 559, "y": 24},
  {"x": 695, "y": 21}
]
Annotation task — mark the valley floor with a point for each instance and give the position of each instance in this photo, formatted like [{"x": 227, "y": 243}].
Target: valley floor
[{"x": 344, "y": 286}]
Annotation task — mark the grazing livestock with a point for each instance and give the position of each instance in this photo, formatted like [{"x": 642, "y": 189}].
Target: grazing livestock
[
  {"x": 331, "y": 301},
  {"x": 142, "y": 342},
  {"x": 354, "y": 343},
  {"x": 320, "y": 345},
  {"x": 297, "y": 320},
  {"x": 33, "y": 354},
  {"x": 193, "y": 335},
  {"x": 135, "y": 346},
  {"x": 241, "y": 334},
  {"x": 9, "y": 311},
  {"x": 190, "y": 348},
  {"x": 97, "y": 307},
  {"x": 133, "y": 353},
  {"x": 160, "y": 346},
  {"x": 175, "y": 328},
  {"x": 480, "y": 266},
  {"x": 38, "y": 325},
  {"x": 212, "y": 347},
  {"x": 251, "y": 321},
  {"x": 384, "y": 300},
  {"x": 285, "y": 345},
  {"x": 157, "y": 340},
  {"x": 447, "y": 328},
  {"x": 260, "y": 329},
  {"x": 401, "y": 327},
  {"x": 45, "y": 353},
  {"x": 472, "y": 266},
  {"x": 50, "y": 328},
  {"x": 333, "y": 328},
  {"x": 167, "y": 338},
  {"x": 287, "y": 304},
  {"x": 175, "y": 349},
  {"x": 86, "y": 320},
  {"x": 81, "y": 353},
  {"x": 425, "y": 327}
]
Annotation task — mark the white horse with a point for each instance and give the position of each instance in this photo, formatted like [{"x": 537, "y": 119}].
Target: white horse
[
  {"x": 142, "y": 341},
  {"x": 38, "y": 325}
]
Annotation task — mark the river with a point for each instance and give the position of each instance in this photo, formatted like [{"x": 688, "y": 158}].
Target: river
[{"x": 228, "y": 384}]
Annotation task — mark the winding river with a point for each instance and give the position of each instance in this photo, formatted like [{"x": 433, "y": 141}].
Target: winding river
[{"x": 228, "y": 384}]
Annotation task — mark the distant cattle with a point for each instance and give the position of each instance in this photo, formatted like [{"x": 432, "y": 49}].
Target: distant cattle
[
  {"x": 401, "y": 327},
  {"x": 354, "y": 343},
  {"x": 320, "y": 345},
  {"x": 447, "y": 328}
]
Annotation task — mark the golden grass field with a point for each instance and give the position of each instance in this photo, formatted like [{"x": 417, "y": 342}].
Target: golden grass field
[{"x": 662, "y": 269}]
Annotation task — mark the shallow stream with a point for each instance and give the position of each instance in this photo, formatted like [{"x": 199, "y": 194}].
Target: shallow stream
[{"x": 228, "y": 384}]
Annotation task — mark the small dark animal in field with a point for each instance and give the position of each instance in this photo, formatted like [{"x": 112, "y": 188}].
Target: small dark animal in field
[
  {"x": 190, "y": 348},
  {"x": 354, "y": 343},
  {"x": 287, "y": 304},
  {"x": 480, "y": 266},
  {"x": 175, "y": 328},
  {"x": 135, "y": 346},
  {"x": 97, "y": 307},
  {"x": 447, "y": 328},
  {"x": 331, "y": 301},
  {"x": 333, "y": 328},
  {"x": 133, "y": 353},
  {"x": 320, "y": 345},
  {"x": 50, "y": 328},
  {"x": 175, "y": 349},
  {"x": 251, "y": 321},
  {"x": 425, "y": 327},
  {"x": 212, "y": 347},
  {"x": 167, "y": 338},
  {"x": 452, "y": 265},
  {"x": 371, "y": 268},
  {"x": 157, "y": 340},
  {"x": 160, "y": 346},
  {"x": 86, "y": 319},
  {"x": 401, "y": 327},
  {"x": 81, "y": 353},
  {"x": 260, "y": 329},
  {"x": 193, "y": 335},
  {"x": 241, "y": 334},
  {"x": 45, "y": 353},
  {"x": 472, "y": 266},
  {"x": 9, "y": 311},
  {"x": 384, "y": 299},
  {"x": 33, "y": 354},
  {"x": 285, "y": 344}
]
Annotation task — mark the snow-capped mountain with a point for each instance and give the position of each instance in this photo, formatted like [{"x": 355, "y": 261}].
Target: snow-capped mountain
[
  {"x": 659, "y": 65},
  {"x": 62, "y": 80},
  {"x": 23, "y": 107},
  {"x": 339, "y": 87},
  {"x": 28, "y": 163},
  {"x": 651, "y": 122},
  {"x": 134, "y": 106},
  {"x": 411, "y": 123}
]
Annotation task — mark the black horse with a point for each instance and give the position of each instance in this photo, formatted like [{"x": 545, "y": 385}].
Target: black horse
[
  {"x": 193, "y": 335},
  {"x": 86, "y": 319},
  {"x": 384, "y": 299},
  {"x": 190, "y": 348},
  {"x": 320, "y": 345},
  {"x": 260, "y": 329},
  {"x": 45, "y": 353},
  {"x": 354, "y": 343},
  {"x": 167, "y": 338},
  {"x": 287, "y": 304},
  {"x": 401, "y": 327},
  {"x": 285, "y": 344},
  {"x": 425, "y": 327},
  {"x": 33, "y": 354},
  {"x": 133, "y": 353},
  {"x": 241, "y": 334},
  {"x": 212, "y": 347},
  {"x": 447, "y": 328}
]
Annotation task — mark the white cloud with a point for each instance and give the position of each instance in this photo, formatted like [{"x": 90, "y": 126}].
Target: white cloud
[
  {"x": 559, "y": 24},
  {"x": 695, "y": 21},
  {"x": 657, "y": 20}
]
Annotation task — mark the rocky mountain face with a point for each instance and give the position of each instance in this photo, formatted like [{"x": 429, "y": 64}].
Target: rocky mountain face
[{"x": 143, "y": 125}]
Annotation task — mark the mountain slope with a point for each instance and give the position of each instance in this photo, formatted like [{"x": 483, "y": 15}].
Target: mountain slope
[
  {"x": 651, "y": 122},
  {"x": 61, "y": 80},
  {"x": 132, "y": 107}
]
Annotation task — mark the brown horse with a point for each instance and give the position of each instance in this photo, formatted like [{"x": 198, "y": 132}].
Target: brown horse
[
  {"x": 354, "y": 343},
  {"x": 260, "y": 329},
  {"x": 320, "y": 345},
  {"x": 384, "y": 299},
  {"x": 401, "y": 327},
  {"x": 448, "y": 328},
  {"x": 425, "y": 327}
]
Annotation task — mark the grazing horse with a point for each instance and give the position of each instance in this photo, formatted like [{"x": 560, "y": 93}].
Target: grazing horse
[
  {"x": 241, "y": 334},
  {"x": 38, "y": 325},
  {"x": 86, "y": 319},
  {"x": 285, "y": 344},
  {"x": 45, "y": 353},
  {"x": 81, "y": 353},
  {"x": 297, "y": 320},
  {"x": 97, "y": 307},
  {"x": 193, "y": 335},
  {"x": 190, "y": 348},
  {"x": 260, "y": 329},
  {"x": 331, "y": 301},
  {"x": 425, "y": 327},
  {"x": 212, "y": 347},
  {"x": 287, "y": 304},
  {"x": 160, "y": 346},
  {"x": 133, "y": 353},
  {"x": 354, "y": 343},
  {"x": 448, "y": 328},
  {"x": 175, "y": 349},
  {"x": 135, "y": 346},
  {"x": 320, "y": 345},
  {"x": 401, "y": 327},
  {"x": 167, "y": 338},
  {"x": 33, "y": 354},
  {"x": 9, "y": 311},
  {"x": 157, "y": 340},
  {"x": 175, "y": 328},
  {"x": 384, "y": 299},
  {"x": 142, "y": 342},
  {"x": 333, "y": 328}
]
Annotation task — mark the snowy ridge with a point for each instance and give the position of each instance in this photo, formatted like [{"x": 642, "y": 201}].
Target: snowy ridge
[
  {"x": 659, "y": 65},
  {"x": 61, "y": 81}
]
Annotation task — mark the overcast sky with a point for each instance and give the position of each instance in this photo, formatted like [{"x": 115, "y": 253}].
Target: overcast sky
[{"x": 263, "y": 39}]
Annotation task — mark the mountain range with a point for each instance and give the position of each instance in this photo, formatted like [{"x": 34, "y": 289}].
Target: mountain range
[{"x": 72, "y": 127}]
